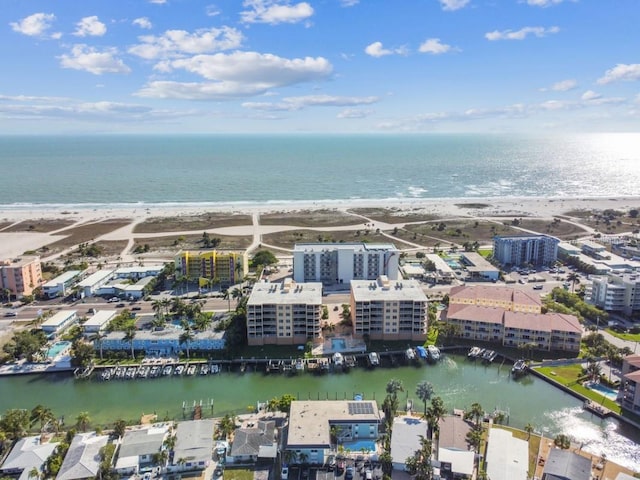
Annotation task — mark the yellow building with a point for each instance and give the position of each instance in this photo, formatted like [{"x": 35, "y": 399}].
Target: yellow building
[{"x": 229, "y": 268}]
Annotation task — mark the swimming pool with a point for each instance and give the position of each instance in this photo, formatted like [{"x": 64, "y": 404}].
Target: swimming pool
[
  {"x": 338, "y": 344},
  {"x": 453, "y": 264},
  {"x": 607, "y": 392},
  {"x": 57, "y": 348},
  {"x": 360, "y": 445}
]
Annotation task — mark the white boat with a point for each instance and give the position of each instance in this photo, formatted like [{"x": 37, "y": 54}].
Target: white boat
[
  {"x": 179, "y": 369},
  {"x": 338, "y": 359},
  {"x": 474, "y": 352},
  {"x": 433, "y": 352},
  {"x": 374, "y": 359},
  {"x": 167, "y": 370},
  {"x": 204, "y": 369},
  {"x": 191, "y": 370},
  {"x": 215, "y": 368},
  {"x": 299, "y": 364},
  {"x": 410, "y": 354}
]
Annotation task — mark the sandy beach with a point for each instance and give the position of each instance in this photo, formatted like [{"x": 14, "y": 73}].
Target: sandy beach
[{"x": 15, "y": 243}]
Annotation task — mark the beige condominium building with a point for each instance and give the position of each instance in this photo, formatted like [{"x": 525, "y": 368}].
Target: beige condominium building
[
  {"x": 21, "y": 276},
  {"x": 282, "y": 314},
  {"x": 631, "y": 383},
  {"x": 387, "y": 309}
]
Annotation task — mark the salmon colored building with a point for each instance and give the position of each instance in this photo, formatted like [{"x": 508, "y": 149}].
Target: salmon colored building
[{"x": 21, "y": 276}]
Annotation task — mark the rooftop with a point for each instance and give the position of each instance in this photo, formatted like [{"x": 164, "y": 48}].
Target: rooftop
[
  {"x": 507, "y": 456},
  {"x": 494, "y": 293},
  {"x": 96, "y": 277},
  {"x": 357, "y": 246},
  {"x": 287, "y": 293},
  {"x": 385, "y": 289},
  {"x": 83, "y": 457},
  {"x": 194, "y": 441},
  {"x": 100, "y": 318},
  {"x": 563, "y": 464},
  {"x": 62, "y": 278},
  {"x": 59, "y": 318}
]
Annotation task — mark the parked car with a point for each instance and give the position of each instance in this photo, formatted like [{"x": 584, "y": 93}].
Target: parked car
[
  {"x": 348, "y": 473},
  {"x": 120, "y": 305},
  {"x": 284, "y": 474},
  {"x": 136, "y": 309},
  {"x": 537, "y": 287},
  {"x": 11, "y": 314}
]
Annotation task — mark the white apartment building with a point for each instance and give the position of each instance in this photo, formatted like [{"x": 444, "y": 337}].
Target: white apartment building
[
  {"x": 285, "y": 313},
  {"x": 517, "y": 250},
  {"x": 59, "y": 322},
  {"x": 615, "y": 292},
  {"x": 98, "y": 322},
  {"x": 61, "y": 284},
  {"x": 389, "y": 310},
  {"x": 339, "y": 263}
]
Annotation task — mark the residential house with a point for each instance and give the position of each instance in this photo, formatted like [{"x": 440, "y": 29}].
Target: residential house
[
  {"x": 194, "y": 446},
  {"x": 286, "y": 313},
  {"x": 405, "y": 439},
  {"x": 89, "y": 286},
  {"x": 457, "y": 461},
  {"x": 139, "y": 449},
  {"x": 566, "y": 465},
  {"x": 387, "y": 309},
  {"x": 98, "y": 322},
  {"x": 255, "y": 443},
  {"x": 312, "y": 423},
  {"x": 339, "y": 263},
  {"x": 507, "y": 456},
  {"x": 83, "y": 457},
  {"x": 21, "y": 276},
  {"x": 28, "y": 453}
]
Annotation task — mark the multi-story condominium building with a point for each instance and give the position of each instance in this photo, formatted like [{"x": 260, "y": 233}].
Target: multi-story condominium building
[
  {"x": 521, "y": 250},
  {"x": 228, "y": 268},
  {"x": 510, "y": 317},
  {"x": 61, "y": 284},
  {"x": 614, "y": 292},
  {"x": 339, "y": 263},
  {"x": 506, "y": 298},
  {"x": 389, "y": 310},
  {"x": 631, "y": 383},
  {"x": 284, "y": 313},
  {"x": 21, "y": 276},
  {"x": 313, "y": 423}
]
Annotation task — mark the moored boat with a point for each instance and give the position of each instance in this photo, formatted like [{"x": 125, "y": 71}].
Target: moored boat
[
  {"x": 433, "y": 353},
  {"x": 373, "y": 359},
  {"x": 338, "y": 360},
  {"x": 474, "y": 352},
  {"x": 410, "y": 354},
  {"x": 519, "y": 368}
]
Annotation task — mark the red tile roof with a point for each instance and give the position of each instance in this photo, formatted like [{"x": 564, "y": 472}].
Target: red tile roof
[
  {"x": 478, "y": 314},
  {"x": 549, "y": 322},
  {"x": 494, "y": 293},
  {"x": 633, "y": 360}
]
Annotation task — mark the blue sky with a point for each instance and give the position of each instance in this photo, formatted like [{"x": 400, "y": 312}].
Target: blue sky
[{"x": 348, "y": 66}]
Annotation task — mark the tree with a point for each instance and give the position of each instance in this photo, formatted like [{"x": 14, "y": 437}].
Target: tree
[
  {"x": 83, "y": 421},
  {"x": 419, "y": 464},
  {"x": 263, "y": 258},
  {"x": 474, "y": 437},
  {"x": 529, "y": 429},
  {"x": 97, "y": 338},
  {"x": 594, "y": 370},
  {"x": 424, "y": 391},
  {"x": 119, "y": 427},
  {"x": 284, "y": 404},
  {"x": 573, "y": 278},
  {"x": 186, "y": 337},
  {"x": 562, "y": 441},
  {"x": 435, "y": 412},
  {"x": 129, "y": 336},
  {"x": 15, "y": 423},
  {"x": 82, "y": 353},
  {"x": 226, "y": 426},
  {"x": 41, "y": 414},
  {"x": 476, "y": 412}
]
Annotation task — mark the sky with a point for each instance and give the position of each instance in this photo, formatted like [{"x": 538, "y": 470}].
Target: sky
[{"x": 319, "y": 66}]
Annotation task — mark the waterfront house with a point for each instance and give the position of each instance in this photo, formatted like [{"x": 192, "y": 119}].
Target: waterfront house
[
  {"x": 284, "y": 313},
  {"x": 139, "y": 449},
  {"x": 630, "y": 387},
  {"x": 60, "y": 285},
  {"x": 254, "y": 443},
  {"x": 312, "y": 424},
  {"x": 28, "y": 453},
  {"x": 507, "y": 456},
  {"x": 387, "y": 309},
  {"x": 193, "y": 449},
  {"x": 98, "y": 322},
  {"x": 59, "y": 322},
  {"x": 339, "y": 263},
  {"x": 456, "y": 460},
  {"x": 405, "y": 439},
  {"x": 566, "y": 465},
  {"x": 83, "y": 457},
  {"x": 164, "y": 342}
]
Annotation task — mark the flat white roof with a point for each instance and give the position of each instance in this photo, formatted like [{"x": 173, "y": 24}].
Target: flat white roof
[
  {"x": 507, "y": 456},
  {"x": 59, "y": 318},
  {"x": 63, "y": 278},
  {"x": 131, "y": 270},
  {"x": 439, "y": 262},
  {"x": 461, "y": 460},
  {"x": 100, "y": 318},
  {"x": 96, "y": 277},
  {"x": 290, "y": 293},
  {"x": 355, "y": 246},
  {"x": 398, "y": 290}
]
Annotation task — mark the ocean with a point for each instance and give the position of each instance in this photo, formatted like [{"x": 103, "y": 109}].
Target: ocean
[{"x": 257, "y": 169}]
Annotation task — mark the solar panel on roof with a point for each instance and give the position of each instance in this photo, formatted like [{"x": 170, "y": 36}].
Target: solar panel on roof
[{"x": 360, "y": 408}]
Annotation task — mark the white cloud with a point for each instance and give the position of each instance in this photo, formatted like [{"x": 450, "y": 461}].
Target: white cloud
[
  {"x": 564, "y": 85},
  {"x": 34, "y": 25},
  {"x": 543, "y": 3},
  {"x": 90, "y": 27},
  {"x": 211, "y": 11},
  {"x": 158, "y": 2},
  {"x": 590, "y": 95},
  {"x": 143, "y": 22},
  {"x": 275, "y": 11},
  {"x": 236, "y": 75},
  {"x": 520, "y": 34},
  {"x": 176, "y": 42},
  {"x": 354, "y": 113},
  {"x": 434, "y": 46},
  {"x": 298, "y": 103},
  {"x": 349, "y": 3},
  {"x": 621, "y": 72},
  {"x": 89, "y": 59},
  {"x": 31, "y": 98},
  {"x": 377, "y": 50},
  {"x": 452, "y": 5}
]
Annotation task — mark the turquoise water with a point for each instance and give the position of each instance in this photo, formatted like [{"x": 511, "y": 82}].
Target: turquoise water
[
  {"x": 359, "y": 445},
  {"x": 56, "y": 348},
  {"x": 610, "y": 393},
  {"x": 338, "y": 344},
  {"x": 60, "y": 170}
]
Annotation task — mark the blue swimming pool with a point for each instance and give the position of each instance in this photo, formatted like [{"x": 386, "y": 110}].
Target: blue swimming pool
[
  {"x": 607, "y": 392},
  {"x": 360, "y": 445},
  {"x": 57, "y": 348},
  {"x": 338, "y": 344}
]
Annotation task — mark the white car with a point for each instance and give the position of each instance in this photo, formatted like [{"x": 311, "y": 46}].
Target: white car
[{"x": 284, "y": 474}]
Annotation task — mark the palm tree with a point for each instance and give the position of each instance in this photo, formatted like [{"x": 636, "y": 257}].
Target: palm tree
[
  {"x": 202, "y": 322},
  {"x": 476, "y": 412},
  {"x": 573, "y": 278},
  {"x": 528, "y": 428},
  {"x": 129, "y": 335},
  {"x": 419, "y": 464},
  {"x": 34, "y": 473},
  {"x": 434, "y": 414},
  {"x": 562, "y": 441},
  {"x": 186, "y": 337},
  {"x": 394, "y": 386},
  {"x": 42, "y": 414},
  {"x": 83, "y": 420},
  {"x": 98, "y": 337},
  {"x": 594, "y": 370},
  {"x": 424, "y": 391},
  {"x": 227, "y": 297},
  {"x": 236, "y": 294}
]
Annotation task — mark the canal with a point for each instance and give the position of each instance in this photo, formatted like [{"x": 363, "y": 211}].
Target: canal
[{"x": 458, "y": 381}]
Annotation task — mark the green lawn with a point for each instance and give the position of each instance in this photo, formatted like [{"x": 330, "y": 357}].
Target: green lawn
[
  {"x": 568, "y": 376},
  {"x": 238, "y": 474},
  {"x": 631, "y": 337}
]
